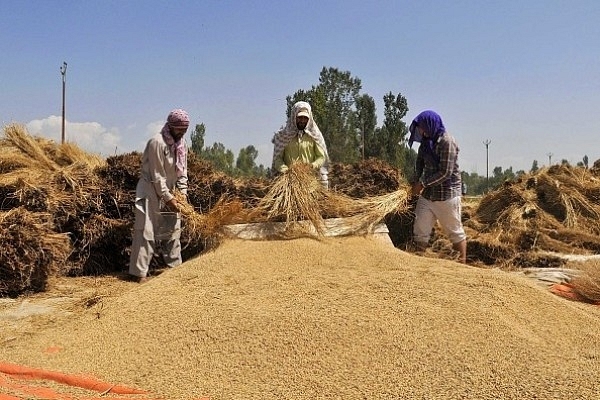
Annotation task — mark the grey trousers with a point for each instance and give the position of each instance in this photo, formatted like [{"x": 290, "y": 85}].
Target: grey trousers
[{"x": 154, "y": 233}]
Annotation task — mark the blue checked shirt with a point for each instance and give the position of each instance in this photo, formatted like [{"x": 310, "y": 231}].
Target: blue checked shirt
[{"x": 441, "y": 180}]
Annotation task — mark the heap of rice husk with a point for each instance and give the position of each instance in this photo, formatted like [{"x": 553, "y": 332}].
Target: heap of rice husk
[{"x": 339, "y": 318}]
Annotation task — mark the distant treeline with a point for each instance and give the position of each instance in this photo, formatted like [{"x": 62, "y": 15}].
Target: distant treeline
[{"x": 348, "y": 119}]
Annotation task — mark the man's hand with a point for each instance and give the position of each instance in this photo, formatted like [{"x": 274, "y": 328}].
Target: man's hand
[
  {"x": 417, "y": 188},
  {"x": 172, "y": 205}
]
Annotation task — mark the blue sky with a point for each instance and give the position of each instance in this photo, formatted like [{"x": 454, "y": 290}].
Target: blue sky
[{"x": 523, "y": 74}]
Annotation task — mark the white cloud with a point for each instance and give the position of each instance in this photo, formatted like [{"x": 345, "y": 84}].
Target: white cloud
[
  {"x": 151, "y": 129},
  {"x": 90, "y": 136},
  {"x": 154, "y": 127}
]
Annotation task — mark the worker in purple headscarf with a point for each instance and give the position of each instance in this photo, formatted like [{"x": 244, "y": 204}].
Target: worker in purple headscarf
[
  {"x": 157, "y": 226},
  {"x": 437, "y": 182}
]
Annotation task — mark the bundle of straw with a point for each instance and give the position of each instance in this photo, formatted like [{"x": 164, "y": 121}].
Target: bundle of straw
[
  {"x": 202, "y": 226},
  {"x": 588, "y": 286},
  {"x": 31, "y": 251},
  {"x": 297, "y": 196},
  {"x": 294, "y": 196},
  {"x": 363, "y": 214}
]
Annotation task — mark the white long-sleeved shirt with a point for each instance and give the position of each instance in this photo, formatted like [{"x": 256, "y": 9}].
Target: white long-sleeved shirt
[{"x": 159, "y": 171}]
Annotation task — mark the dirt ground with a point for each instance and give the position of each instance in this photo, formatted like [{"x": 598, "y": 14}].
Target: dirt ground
[{"x": 351, "y": 318}]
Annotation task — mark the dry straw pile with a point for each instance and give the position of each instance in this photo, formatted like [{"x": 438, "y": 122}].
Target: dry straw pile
[
  {"x": 44, "y": 189},
  {"x": 555, "y": 210},
  {"x": 75, "y": 211}
]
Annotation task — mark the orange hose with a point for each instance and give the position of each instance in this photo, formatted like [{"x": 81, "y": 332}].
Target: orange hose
[
  {"x": 30, "y": 390},
  {"x": 72, "y": 380},
  {"x": 8, "y": 397}
]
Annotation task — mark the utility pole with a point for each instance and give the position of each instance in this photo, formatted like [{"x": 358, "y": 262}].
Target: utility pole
[
  {"x": 487, "y": 164},
  {"x": 549, "y": 158},
  {"x": 63, "y": 72}
]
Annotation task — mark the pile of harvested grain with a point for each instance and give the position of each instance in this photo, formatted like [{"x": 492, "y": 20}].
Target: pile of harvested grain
[{"x": 337, "y": 318}]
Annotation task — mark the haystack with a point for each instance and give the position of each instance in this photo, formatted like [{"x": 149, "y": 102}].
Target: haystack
[
  {"x": 365, "y": 178},
  {"x": 553, "y": 210},
  {"x": 31, "y": 178},
  {"x": 101, "y": 246},
  {"x": 90, "y": 201},
  {"x": 31, "y": 251},
  {"x": 56, "y": 183}
]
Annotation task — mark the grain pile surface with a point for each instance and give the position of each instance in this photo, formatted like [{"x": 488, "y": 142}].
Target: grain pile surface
[{"x": 349, "y": 318}]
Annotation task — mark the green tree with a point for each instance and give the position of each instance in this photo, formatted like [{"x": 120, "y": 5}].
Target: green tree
[
  {"x": 220, "y": 157},
  {"x": 366, "y": 124},
  {"x": 246, "y": 161},
  {"x": 348, "y": 120},
  {"x": 534, "y": 166},
  {"x": 197, "y": 139},
  {"x": 393, "y": 134},
  {"x": 476, "y": 184}
]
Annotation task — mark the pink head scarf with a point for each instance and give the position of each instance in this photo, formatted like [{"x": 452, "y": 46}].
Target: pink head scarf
[{"x": 177, "y": 118}]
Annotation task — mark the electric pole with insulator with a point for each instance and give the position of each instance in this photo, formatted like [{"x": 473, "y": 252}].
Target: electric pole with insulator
[
  {"x": 63, "y": 72},
  {"x": 487, "y": 165}
]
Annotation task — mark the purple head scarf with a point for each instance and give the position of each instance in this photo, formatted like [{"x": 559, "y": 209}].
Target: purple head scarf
[
  {"x": 177, "y": 118},
  {"x": 432, "y": 123}
]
